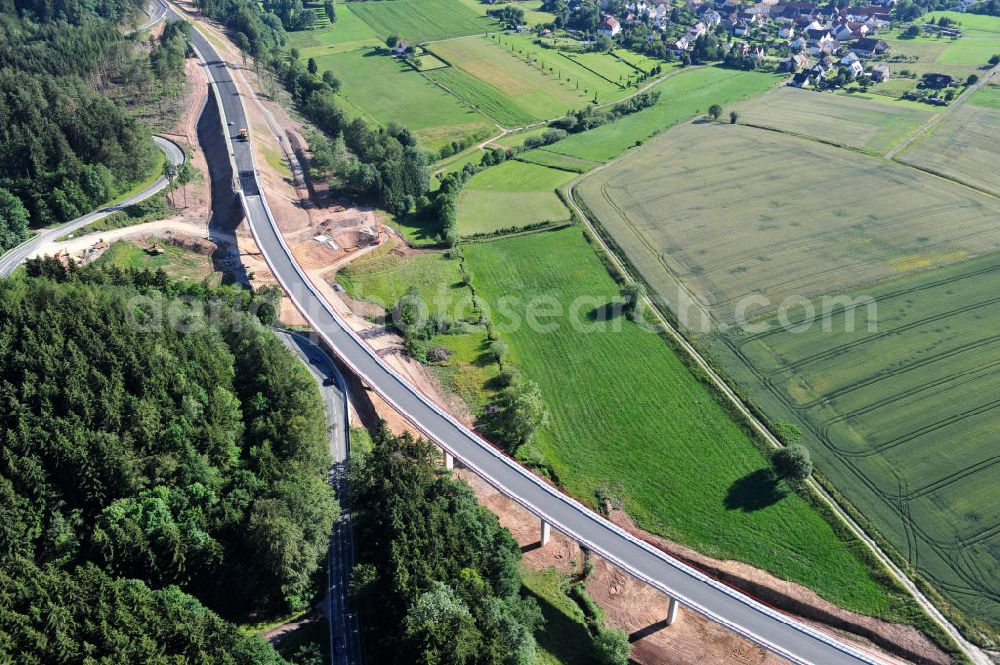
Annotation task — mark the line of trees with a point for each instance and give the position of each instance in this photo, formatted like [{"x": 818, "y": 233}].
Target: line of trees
[
  {"x": 382, "y": 164},
  {"x": 155, "y": 451},
  {"x": 588, "y": 117}
]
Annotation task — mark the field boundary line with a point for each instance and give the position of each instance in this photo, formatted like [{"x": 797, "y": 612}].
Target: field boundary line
[
  {"x": 592, "y": 71},
  {"x": 935, "y": 119},
  {"x": 972, "y": 652}
]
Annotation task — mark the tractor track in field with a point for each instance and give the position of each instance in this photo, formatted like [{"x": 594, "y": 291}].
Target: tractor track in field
[
  {"x": 896, "y": 293},
  {"x": 969, "y": 650}
]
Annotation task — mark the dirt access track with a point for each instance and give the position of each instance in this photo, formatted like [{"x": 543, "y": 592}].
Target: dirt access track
[{"x": 305, "y": 213}]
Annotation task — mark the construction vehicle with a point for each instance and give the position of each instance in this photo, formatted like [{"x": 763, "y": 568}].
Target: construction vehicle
[{"x": 244, "y": 134}]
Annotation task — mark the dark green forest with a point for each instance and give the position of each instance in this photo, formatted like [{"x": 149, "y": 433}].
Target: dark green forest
[
  {"x": 437, "y": 576},
  {"x": 72, "y": 86},
  {"x": 163, "y": 462}
]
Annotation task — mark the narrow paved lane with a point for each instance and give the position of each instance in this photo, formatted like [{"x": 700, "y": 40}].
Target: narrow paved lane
[
  {"x": 345, "y": 634},
  {"x": 16, "y": 255}
]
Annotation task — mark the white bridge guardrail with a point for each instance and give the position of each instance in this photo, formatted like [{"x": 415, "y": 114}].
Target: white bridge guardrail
[{"x": 515, "y": 468}]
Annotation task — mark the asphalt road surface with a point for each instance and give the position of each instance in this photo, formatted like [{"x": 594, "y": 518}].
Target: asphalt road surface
[
  {"x": 16, "y": 255},
  {"x": 771, "y": 629},
  {"x": 345, "y": 636}
]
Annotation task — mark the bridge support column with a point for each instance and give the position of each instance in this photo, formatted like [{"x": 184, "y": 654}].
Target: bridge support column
[
  {"x": 546, "y": 534},
  {"x": 449, "y": 461},
  {"x": 672, "y": 610}
]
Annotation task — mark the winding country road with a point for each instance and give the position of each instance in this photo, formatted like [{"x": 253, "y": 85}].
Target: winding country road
[
  {"x": 773, "y": 630},
  {"x": 14, "y": 257}
]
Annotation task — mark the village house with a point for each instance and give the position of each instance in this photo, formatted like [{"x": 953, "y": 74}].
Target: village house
[
  {"x": 850, "y": 30},
  {"x": 786, "y": 31},
  {"x": 711, "y": 18},
  {"x": 854, "y": 69},
  {"x": 820, "y": 38},
  {"x": 795, "y": 63},
  {"x": 695, "y": 31},
  {"x": 868, "y": 47},
  {"x": 741, "y": 28},
  {"x": 402, "y": 47},
  {"x": 802, "y": 79},
  {"x": 848, "y": 59},
  {"x": 609, "y": 27},
  {"x": 880, "y": 73}
]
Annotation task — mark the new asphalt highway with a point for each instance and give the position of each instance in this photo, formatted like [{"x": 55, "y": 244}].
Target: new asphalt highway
[{"x": 771, "y": 629}]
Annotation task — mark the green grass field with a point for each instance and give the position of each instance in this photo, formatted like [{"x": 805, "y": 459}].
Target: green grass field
[
  {"x": 762, "y": 232},
  {"x": 515, "y": 140},
  {"x": 532, "y": 10},
  {"x": 610, "y": 67},
  {"x": 987, "y": 97},
  {"x": 572, "y": 75},
  {"x": 857, "y": 123},
  {"x": 685, "y": 94},
  {"x": 513, "y": 194},
  {"x": 902, "y": 419},
  {"x": 965, "y": 146},
  {"x": 630, "y": 418},
  {"x": 420, "y": 21},
  {"x": 506, "y": 80},
  {"x": 955, "y": 57},
  {"x": 980, "y": 39},
  {"x": 348, "y": 32},
  {"x": 384, "y": 276},
  {"x": 564, "y": 639},
  {"x": 175, "y": 261},
  {"x": 482, "y": 97},
  {"x": 557, "y": 160},
  {"x": 385, "y": 89}
]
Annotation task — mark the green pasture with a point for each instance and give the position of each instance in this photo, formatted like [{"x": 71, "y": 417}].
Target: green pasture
[
  {"x": 485, "y": 99},
  {"x": 630, "y": 420},
  {"x": 419, "y": 21},
  {"x": 533, "y": 15},
  {"x": 980, "y": 38},
  {"x": 568, "y": 73},
  {"x": 513, "y": 194},
  {"x": 684, "y": 94},
  {"x": 386, "y": 89},
  {"x": 530, "y": 91},
  {"x": 987, "y": 96},
  {"x": 348, "y": 32},
  {"x": 557, "y": 160}
]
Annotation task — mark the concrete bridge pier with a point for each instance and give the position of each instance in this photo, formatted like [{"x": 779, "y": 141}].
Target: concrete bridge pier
[
  {"x": 449, "y": 460},
  {"x": 672, "y": 610},
  {"x": 546, "y": 534}
]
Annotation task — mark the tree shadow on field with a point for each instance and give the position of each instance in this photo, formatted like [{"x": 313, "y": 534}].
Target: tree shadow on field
[
  {"x": 755, "y": 491},
  {"x": 612, "y": 310}
]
